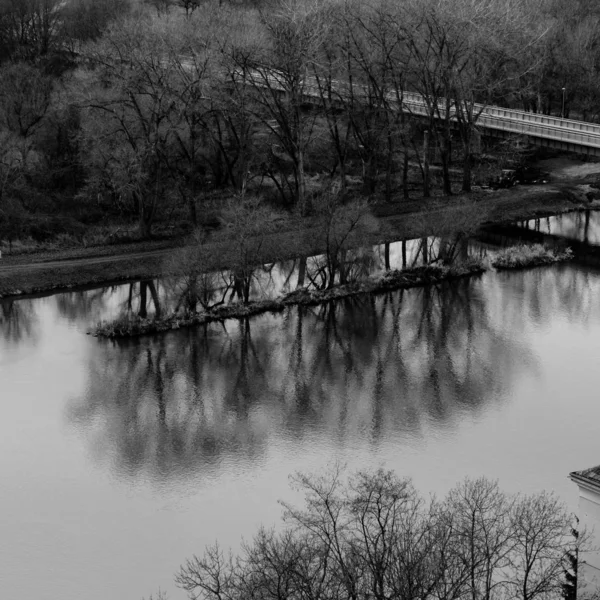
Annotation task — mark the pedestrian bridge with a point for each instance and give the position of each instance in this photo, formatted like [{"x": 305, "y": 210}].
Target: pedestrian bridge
[{"x": 541, "y": 130}]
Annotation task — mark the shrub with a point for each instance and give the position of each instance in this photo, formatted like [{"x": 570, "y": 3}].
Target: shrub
[{"x": 522, "y": 256}]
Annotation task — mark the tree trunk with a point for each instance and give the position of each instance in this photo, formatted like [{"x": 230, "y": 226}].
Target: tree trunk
[
  {"x": 247, "y": 282},
  {"x": 192, "y": 295},
  {"x": 586, "y": 227},
  {"x": 155, "y": 299},
  {"x": 445, "y": 150},
  {"x": 333, "y": 265},
  {"x": 463, "y": 247},
  {"x": 238, "y": 286},
  {"x": 466, "y": 186},
  {"x": 387, "y": 256},
  {"x": 424, "y": 250},
  {"x": 342, "y": 266},
  {"x": 145, "y": 228},
  {"x": 343, "y": 177},
  {"x": 405, "y": 176},
  {"x": 145, "y": 219},
  {"x": 426, "y": 184},
  {"x": 389, "y": 167},
  {"x": 301, "y": 272},
  {"x": 369, "y": 180},
  {"x": 301, "y": 179},
  {"x": 143, "y": 312},
  {"x": 193, "y": 211}
]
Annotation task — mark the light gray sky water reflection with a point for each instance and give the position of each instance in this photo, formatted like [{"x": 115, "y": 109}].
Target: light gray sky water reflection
[
  {"x": 119, "y": 460},
  {"x": 583, "y": 226}
]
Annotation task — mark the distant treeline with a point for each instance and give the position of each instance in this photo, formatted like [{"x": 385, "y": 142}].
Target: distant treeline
[{"x": 160, "y": 110}]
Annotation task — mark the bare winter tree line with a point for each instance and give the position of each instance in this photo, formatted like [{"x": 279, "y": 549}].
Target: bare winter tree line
[
  {"x": 373, "y": 536},
  {"x": 157, "y": 110},
  {"x": 224, "y": 101}
]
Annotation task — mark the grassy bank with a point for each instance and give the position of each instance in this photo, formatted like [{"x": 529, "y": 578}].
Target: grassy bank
[
  {"x": 48, "y": 271},
  {"x": 512, "y": 258}
]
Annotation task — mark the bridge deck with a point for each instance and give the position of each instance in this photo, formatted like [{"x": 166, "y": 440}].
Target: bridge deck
[
  {"x": 564, "y": 132},
  {"x": 544, "y": 130}
]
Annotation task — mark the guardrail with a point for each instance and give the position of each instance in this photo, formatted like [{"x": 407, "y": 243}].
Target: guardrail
[
  {"x": 546, "y": 127},
  {"x": 518, "y": 122}
]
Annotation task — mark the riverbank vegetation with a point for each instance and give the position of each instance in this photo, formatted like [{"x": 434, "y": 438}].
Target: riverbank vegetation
[
  {"x": 129, "y": 325},
  {"x": 523, "y": 256},
  {"x": 125, "y": 119},
  {"x": 372, "y": 535},
  {"x": 201, "y": 298}
]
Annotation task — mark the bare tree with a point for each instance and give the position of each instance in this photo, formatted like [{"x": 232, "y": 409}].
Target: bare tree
[
  {"x": 278, "y": 72},
  {"x": 84, "y": 20},
  {"x": 342, "y": 230},
  {"x": 129, "y": 120},
  {"x": 25, "y": 101},
  {"x": 29, "y": 28},
  {"x": 373, "y": 536},
  {"x": 25, "y": 97},
  {"x": 374, "y": 48},
  {"x": 249, "y": 226},
  {"x": 211, "y": 577},
  {"x": 432, "y": 59},
  {"x": 13, "y": 158},
  {"x": 478, "y": 515},
  {"x": 491, "y": 39},
  {"x": 540, "y": 531}
]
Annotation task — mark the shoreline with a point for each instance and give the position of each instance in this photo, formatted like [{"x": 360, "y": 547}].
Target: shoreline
[
  {"x": 66, "y": 270},
  {"x": 522, "y": 257}
]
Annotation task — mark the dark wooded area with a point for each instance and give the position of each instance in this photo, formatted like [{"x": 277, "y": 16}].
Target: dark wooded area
[{"x": 121, "y": 119}]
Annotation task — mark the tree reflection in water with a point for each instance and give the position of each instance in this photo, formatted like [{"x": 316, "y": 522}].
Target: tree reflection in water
[
  {"x": 18, "y": 321},
  {"x": 365, "y": 368},
  {"x": 580, "y": 225},
  {"x": 84, "y": 304}
]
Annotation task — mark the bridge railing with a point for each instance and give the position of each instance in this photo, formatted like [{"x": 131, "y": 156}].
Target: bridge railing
[
  {"x": 491, "y": 117},
  {"x": 539, "y": 119},
  {"x": 540, "y": 130},
  {"x": 520, "y": 122}
]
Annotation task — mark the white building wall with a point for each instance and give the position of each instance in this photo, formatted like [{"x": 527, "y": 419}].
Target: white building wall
[{"x": 589, "y": 517}]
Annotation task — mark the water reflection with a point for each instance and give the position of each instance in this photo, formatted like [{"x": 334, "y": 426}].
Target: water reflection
[
  {"x": 583, "y": 226},
  {"x": 84, "y": 304},
  {"x": 166, "y": 443},
  {"x": 371, "y": 367},
  {"x": 18, "y": 321},
  {"x": 194, "y": 292}
]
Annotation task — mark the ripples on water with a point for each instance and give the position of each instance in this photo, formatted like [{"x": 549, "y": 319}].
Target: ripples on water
[{"x": 119, "y": 459}]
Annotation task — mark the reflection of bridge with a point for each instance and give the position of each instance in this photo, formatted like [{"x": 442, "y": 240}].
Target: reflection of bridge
[{"x": 541, "y": 130}]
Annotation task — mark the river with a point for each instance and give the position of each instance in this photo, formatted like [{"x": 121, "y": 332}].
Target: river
[{"x": 119, "y": 460}]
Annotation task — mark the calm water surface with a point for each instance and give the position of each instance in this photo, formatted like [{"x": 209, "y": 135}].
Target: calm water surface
[
  {"x": 583, "y": 226},
  {"x": 119, "y": 460}
]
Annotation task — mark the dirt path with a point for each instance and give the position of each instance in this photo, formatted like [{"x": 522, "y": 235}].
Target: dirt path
[
  {"x": 35, "y": 273},
  {"x": 7, "y": 266}
]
